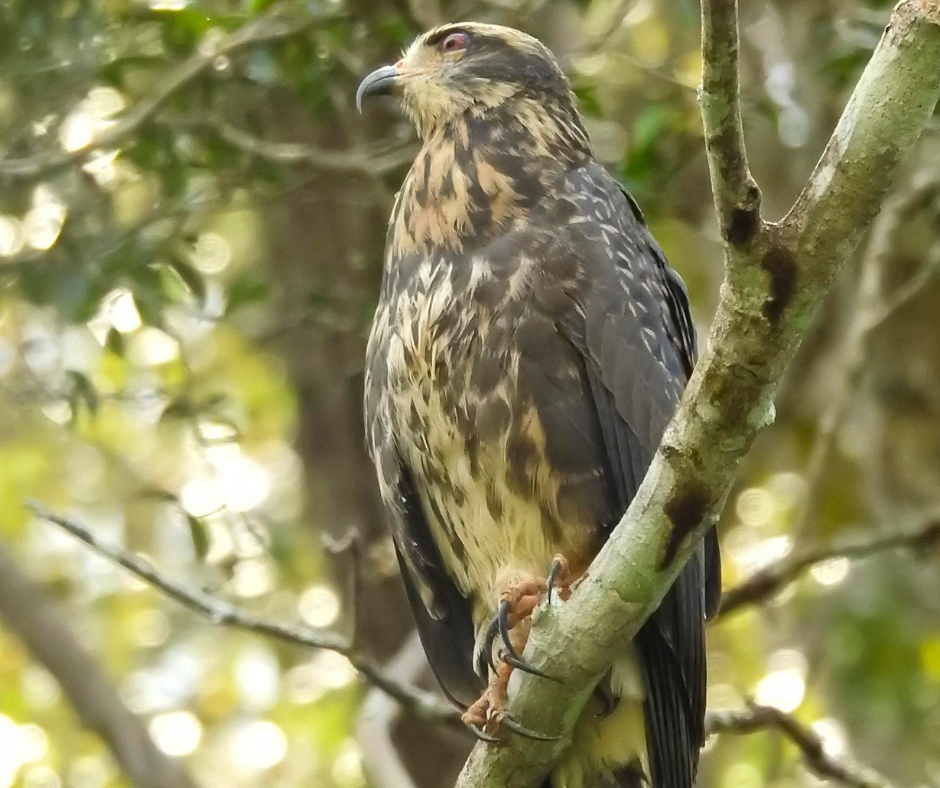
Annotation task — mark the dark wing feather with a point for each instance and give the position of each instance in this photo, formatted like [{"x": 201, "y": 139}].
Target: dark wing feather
[
  {"x": 638, "y": 346},
  {"x": 442, "y": 614},
  {"x": 677, "y": 303}
]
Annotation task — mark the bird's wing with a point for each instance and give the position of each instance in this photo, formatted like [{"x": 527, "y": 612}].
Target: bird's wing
[
  {"x": 443, "y": 615},
  {"x": 683, "y": 333},
  {"x": 635, "y": 335}
]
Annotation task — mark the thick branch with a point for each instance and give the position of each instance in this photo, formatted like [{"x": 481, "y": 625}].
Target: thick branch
[
  {"x": 773, "y": 286},
  {"x": 770, "y": 580},
  {"x": 30, "y": 615},
  {"x": 274, "y": 26},
  {"x": 424, "y": 704},
  {"x": 817, "y": 759},
  {"x": 737, "y": 198}
]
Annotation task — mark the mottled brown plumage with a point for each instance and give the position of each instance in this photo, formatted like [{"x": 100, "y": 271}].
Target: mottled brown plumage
[{"x": 530, "y": 345}]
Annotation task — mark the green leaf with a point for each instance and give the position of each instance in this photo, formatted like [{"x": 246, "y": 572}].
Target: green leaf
[
  {"x": 179, "y": 409},
  {"x": 200, "y": 536},
  {"x": 246, "y": 289},
  {"x": 257, "y": 6},
  {"x": 652, "y": 123},
  {"x": 150, "y": 308},
  {"x": 192, "y": 279},
  {"x": 587, "y": 100},
  {"x": 157, "y": 494},
  {"x": 115, "y": 342}
]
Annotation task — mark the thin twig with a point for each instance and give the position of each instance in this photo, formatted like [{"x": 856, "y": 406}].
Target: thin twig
[
  {"x": 737, "y": 198},
  {"x": 426, "y": 705},
  {"x": 817, "y": 759},
  {"x": 350, "y": 545},
  {"x": 271, "y": 27},
  {"x": 380, "y": 757},
  {"x": 906, "y": 293},
  {"x": 768, "y": 581},
  {"x": 373, "y": 163}
]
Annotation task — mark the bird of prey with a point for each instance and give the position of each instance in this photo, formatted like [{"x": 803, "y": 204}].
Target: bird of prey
[{"x": 530, "y": 345}]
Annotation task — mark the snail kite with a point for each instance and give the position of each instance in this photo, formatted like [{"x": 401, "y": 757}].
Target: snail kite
[{"x": 530, "y": 345}]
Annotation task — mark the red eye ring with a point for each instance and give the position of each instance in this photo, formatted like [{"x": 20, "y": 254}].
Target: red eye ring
[{"x": 454, "y": 42}]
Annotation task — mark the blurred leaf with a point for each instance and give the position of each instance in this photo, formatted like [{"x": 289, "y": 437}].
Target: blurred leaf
[
  {"x": 248, "y": 288},
  {"x": 200, "y": 536},
  {"x": 652, "y": 123},
  {"x": 158, "y": 494},
  {"x": 588, "y": 102},
  {"x": 395, "y": 29},
  {"x": 179, "y": 409},
  {"x": 192, "y": 279},
  {"x": 256, "y": 6},
  {"x": 114, "y": 342},
  {"x": 82, "y": 392}
]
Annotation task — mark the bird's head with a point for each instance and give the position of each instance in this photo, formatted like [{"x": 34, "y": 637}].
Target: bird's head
[{"x": 467, "y": 67}]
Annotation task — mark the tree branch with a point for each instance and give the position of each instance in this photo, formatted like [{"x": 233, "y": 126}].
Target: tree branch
[
  {"x": 774, "y": 284},
  {"x": 380, "y": 757},
  {"x": 811, "y": 745},
  {"x": 274, "y": 26},
  {"x": 768, "y": 581},
  {"x": 737, "y": 198},
  {"x": 426, "y": 705},
  {"x": 30, "y": 615}
]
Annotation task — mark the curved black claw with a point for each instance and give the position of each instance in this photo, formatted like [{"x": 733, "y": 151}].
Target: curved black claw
[
  {"x": 520, "y": 730},
  {"x": 485, "y": 657},
  {"x": 502, "y": 619},
  {"x": 525, "y": 667},
  {"x": 482, "y": 736},
  {"x": 552, "y": 577}
]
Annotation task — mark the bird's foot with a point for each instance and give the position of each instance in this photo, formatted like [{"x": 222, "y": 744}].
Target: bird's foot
[
  {"x": 518, "y": 601},
  {"x": 488, "y": 717}
]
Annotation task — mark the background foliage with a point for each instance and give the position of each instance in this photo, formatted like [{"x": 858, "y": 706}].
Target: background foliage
[{"x": 183, "y": 313}]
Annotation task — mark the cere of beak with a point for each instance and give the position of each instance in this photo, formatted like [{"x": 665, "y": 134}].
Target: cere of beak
[{"x": 379, "y": 82}]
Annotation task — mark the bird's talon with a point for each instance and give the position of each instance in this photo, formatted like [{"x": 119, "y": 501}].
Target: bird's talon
[
  {"x": 478, "y": 731},
  {"x": 485, "y": 658},
  {"x": 518, "y": 602},
  {"x": 559, "y": 576},
  {"x": 525, "y": 667},
  {"x": 520, "y": 730},
  {"x": 502, "y": 619}
]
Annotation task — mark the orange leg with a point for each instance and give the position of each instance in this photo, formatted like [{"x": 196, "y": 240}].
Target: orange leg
[
  {"x": 490, "y": 709},
  {"x": 517, "y": 603},
  {"x": 489, "y": 715}
]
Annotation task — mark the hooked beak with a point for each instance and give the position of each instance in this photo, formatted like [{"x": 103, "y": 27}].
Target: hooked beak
[{"x": 379, "y": 82}]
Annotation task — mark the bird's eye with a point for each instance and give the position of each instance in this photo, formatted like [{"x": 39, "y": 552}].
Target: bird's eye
[{"x": 454, "y": 42}]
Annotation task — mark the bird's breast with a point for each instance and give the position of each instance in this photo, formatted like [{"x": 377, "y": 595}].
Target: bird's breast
[{"x": 474, "y": 442}]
